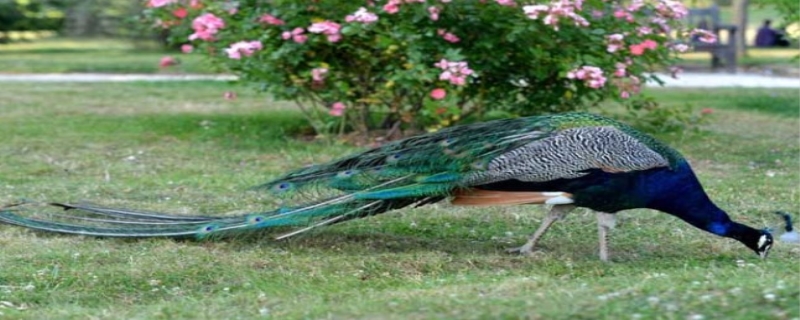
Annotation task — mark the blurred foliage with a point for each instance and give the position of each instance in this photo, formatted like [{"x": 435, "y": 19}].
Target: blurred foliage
[
  {"x": 27, "y": 15},
  {"x": 81, "y": 18}
]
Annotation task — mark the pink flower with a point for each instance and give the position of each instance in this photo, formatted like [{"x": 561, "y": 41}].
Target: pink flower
[
  {"x": 625, "y": 94},
  {"x": 557, "y": 10},
  {"x": 621, "y": 69},
  {"x": 438, "y": 94},
  {"x": 318, "y": 74},
  {"x": 680, "y": 47},
  {"x": 643, "y": 30},
  {"x": 434, "y": 12},
  {"x": 533, "y": 11},
  {"x": 159, "y": 3},
  {"x": 663, "y": 25},
  {"x": 180, "y": 13},
  {"x": 296, "y": 35},
  {"x": 622, "y": 14},
  {"x": 337, "y": 109},
  {"x": 205, "y": 26},
  {"x": 392, "y": 7},
  {"x": 703, "y": 35},
  {"x": 447, "y": 36},
  {"x": 363, "y": 16},
  {"x": 671, "y": 9},
  {"x": 195, "y": 4},
  {"x": 246, "y": 48},
  {"x": 706, "y": 111},
  {"x": 597, "y": 83},
  {"x": 454, "y": 72},
  {"x": 509, "y": 3},
  {"x": 328, "y": 28},
  {"x": 271, "y": 20},
  {"x": 187, "y": 48},
  {"x": 591, "y": 76},
  {"x": 614, "y": 42},
  {"x": 229, "y": 95},
  {"x": 635, "y": 5},
  {"x": 167, "y": 61},
  {"x": 650, "y": 44},
  {"x": 637, "y": 49}
]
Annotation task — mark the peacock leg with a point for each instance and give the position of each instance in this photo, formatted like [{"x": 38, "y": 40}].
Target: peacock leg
[
  {"x": 605, "y": 222},
  {"x": 558, "y": 212}
]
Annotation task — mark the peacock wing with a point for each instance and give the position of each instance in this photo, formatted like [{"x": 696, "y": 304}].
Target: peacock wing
[{"x": 570, "y": 153}]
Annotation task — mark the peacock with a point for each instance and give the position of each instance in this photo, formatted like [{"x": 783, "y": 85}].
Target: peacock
[{"x": 566, "y": 160}]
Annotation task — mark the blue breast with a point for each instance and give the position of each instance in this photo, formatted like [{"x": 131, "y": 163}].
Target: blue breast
[{"x": 674, "y": 190}]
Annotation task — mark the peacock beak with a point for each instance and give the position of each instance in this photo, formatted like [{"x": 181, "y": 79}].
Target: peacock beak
[{"x": 764, "y": 252}]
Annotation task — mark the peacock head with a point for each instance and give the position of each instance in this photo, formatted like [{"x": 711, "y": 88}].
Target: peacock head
[{"x": 763, "y": 244}]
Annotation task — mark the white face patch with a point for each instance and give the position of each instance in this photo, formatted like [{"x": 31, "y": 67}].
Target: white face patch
[
  {"x": 764, "y": 244},
  {"x": 762, "y": 241}
]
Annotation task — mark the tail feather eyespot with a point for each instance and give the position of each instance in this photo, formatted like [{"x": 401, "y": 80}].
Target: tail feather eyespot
[
  {"x": 394, "y": 158},
  {"x": 447, "y": 142},
  {"x": 206, "y": 230},
  {"x": 347, "y": 173},
  {"x": 255, "y": 219},
  {"x": 281, "y": 187}
]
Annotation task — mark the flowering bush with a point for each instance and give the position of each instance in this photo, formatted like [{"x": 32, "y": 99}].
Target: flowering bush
[{"x": 425, "y": 64}]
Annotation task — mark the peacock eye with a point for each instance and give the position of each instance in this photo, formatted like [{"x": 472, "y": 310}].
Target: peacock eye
[
  {"x": 393, "y": 158},
  {"x": 447, "y": 142}
]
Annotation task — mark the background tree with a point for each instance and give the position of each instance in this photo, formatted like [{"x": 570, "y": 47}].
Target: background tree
[
  {"x": 30, "y": 15},
  {"x": 740, "y": 20}
]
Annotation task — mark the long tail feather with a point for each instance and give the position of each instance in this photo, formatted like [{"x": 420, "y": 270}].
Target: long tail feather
[
  {"x": 128, "y": 213},
  {"x": 409, "y": 172}
]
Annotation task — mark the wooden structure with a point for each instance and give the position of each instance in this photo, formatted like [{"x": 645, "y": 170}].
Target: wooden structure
[{"x": 708, "y": 19}]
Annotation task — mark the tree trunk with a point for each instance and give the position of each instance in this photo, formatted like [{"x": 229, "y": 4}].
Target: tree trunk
[{"x": 740, "y": 20}]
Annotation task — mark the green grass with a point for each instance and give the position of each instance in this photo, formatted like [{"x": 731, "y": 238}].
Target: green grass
[
  {"x": 777, "y": 59},
  {"x": 59, "y": 55},
  {"x": 180, "y": 147},
  {"x": 782, "y": 103}
]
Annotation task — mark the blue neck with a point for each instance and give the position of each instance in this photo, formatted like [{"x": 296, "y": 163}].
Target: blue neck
[{"x": 680, "y": 194}]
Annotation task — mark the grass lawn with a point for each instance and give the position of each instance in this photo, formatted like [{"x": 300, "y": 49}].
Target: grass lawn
[
  {"x": 179, "y": 147},
  {"x": 60, "y": 55},
  {"x": 777, "y": 59}
]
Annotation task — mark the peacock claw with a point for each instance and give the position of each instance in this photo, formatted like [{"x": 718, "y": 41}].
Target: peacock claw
[
  {"x": 521, "y": 250},
  {"x": 556, "y": 213},
  {"x": 515, "y": 250}
]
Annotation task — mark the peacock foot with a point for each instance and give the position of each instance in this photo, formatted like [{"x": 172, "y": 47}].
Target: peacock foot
[{"x": 524, "y": 250}]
